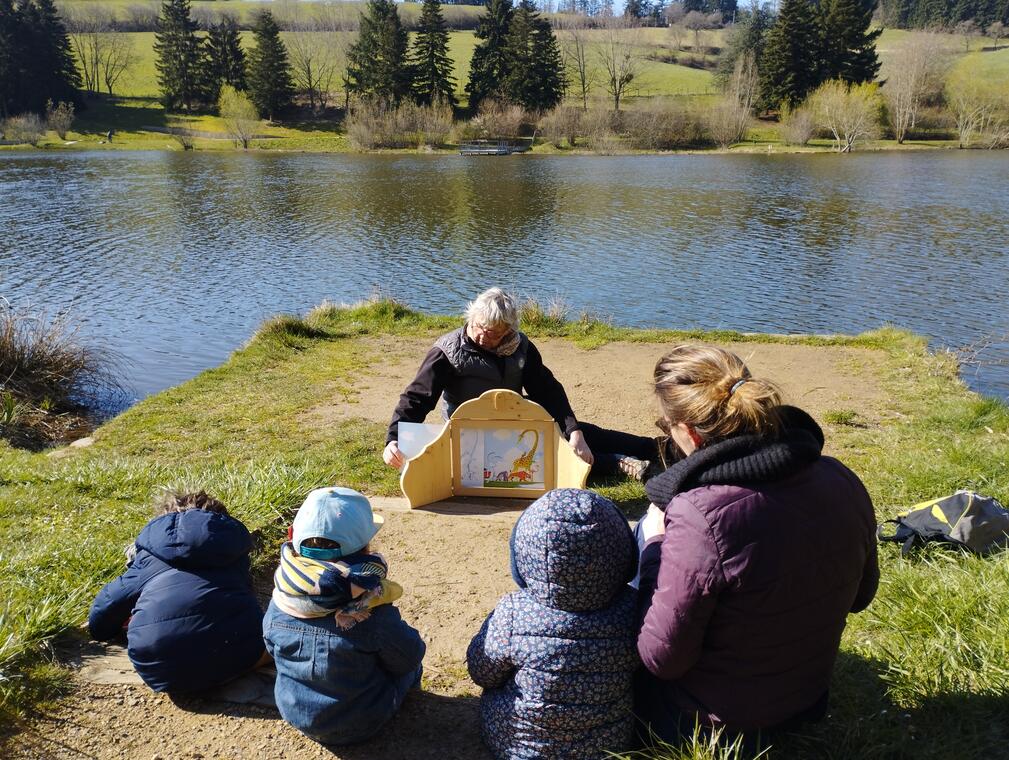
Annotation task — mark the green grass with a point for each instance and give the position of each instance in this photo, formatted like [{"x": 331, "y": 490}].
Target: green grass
[{"x": 922, "y": 673}]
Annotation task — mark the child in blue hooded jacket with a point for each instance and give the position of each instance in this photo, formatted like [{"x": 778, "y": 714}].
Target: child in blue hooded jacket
[
  {"x": 556, "y": 658},
  {"x": 192, "y": 619}
]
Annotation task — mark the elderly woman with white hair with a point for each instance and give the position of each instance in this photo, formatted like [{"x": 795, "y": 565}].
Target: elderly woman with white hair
[{"x": 489, "y": 352}]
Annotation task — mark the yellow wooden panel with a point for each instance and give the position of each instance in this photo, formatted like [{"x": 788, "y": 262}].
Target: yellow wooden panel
[
  {"x": 428, "y": 476},
  {"x": 572, "y": 471},
  {"x": 435, "y": 473},
  {"x": 501, "y": 405}
]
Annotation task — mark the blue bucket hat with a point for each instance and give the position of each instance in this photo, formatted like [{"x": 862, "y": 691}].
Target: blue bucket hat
[{"x": 339, "y": 514}]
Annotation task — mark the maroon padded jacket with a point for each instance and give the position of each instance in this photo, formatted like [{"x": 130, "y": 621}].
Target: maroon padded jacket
[{"x": 745, "y": 596}]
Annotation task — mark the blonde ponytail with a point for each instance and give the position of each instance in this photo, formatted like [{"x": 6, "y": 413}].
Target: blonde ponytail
[{"x": 712, "y": 390}]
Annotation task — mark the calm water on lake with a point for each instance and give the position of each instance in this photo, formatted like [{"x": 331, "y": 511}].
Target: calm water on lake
[{"x": 173, "y": 259}]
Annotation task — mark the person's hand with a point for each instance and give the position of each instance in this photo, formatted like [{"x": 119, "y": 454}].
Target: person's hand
[
  {"x": 392, "y": 456},
  {"x": 577, "y": 441},
  {"x": 653, "y": 523}
]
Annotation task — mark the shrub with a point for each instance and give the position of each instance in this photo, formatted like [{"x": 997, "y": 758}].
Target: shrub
[
  {"x": 727, "y": 121},
  {"x": 851, "y": 113},
  {"x": 182, "y": 135},
  {"x": 377, "y": 125},
  {"x": 598, "y": 126},
  {"x": 496, "y": 120},
  {"x": 25, "y": 128},
  {"x": 239, "y": 114},
  {"x": 797, "y": 126},
  {"x": 49, "y": 377},
  {"x": 665, "y": 128},
  {"x": 563, "y": 123},
  {"x": 60, "y": 117}
]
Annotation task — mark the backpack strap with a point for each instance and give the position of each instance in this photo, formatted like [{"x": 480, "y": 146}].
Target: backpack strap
[{"x": 907, "y": 537}]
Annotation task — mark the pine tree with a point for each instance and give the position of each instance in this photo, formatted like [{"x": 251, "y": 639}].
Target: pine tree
[
  {"x": 748, "y": 35},
  {"x": 432, "y": 66},
  {"x": 377, "y": 65},
  {"x": 225, "y": 56},
  {"x": 790, "y": 66},
  {"x": 181, "y": 63},
  {"x": 269, "y": 76},
  {"x": 930, "y": 13},
  {"x": 849, "y": 48},
  {"x": 50, "y": 70},
  {"x": 636, "y": 9},
  {"x": 535, "y": 77},
  {"x": 728, "y": 9},
  {"x": 489, "y": 67},
  {"x": 11, "y": 58}
]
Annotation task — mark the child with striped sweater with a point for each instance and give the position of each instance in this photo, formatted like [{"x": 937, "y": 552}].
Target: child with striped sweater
[{"x": 345, "y": 658}]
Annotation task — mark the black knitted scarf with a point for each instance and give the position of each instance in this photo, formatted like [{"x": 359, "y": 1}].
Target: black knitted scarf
[{"x": 744, "y": 459}]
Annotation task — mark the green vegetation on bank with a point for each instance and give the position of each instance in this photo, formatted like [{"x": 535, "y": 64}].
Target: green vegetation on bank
[{"x": 922, "y": 673}]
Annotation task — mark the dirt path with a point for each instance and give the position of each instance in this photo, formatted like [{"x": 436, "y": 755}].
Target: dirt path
[{"x": 447, "y": 593}]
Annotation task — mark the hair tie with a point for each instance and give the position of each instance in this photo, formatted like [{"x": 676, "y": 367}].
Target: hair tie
[{"x": 737, "y": 384}]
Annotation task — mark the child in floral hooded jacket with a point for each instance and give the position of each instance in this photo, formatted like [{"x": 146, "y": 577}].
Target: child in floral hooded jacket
[{"x": 556, "y": 657}]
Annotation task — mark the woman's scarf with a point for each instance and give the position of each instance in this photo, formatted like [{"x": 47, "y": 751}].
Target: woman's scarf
[
  {"x": 509, "y": 345},
  {"x": 743, "y": 459},
  {"x": 347, "y": 588}
]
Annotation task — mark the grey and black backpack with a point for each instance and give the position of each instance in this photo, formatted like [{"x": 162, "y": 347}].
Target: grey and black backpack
[{"x": 966, "y": 519}]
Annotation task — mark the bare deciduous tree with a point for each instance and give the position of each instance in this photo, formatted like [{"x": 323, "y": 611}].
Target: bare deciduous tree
[
  {"x": 676, "y": 32},
  {"x": 729, "y": 118},
  {"x": 104, "y": 53},
  {"x": 697, "y": 22},
  {"x": 88, "y": 24},
  {"x": 575, "y": 49},
  {"x": 116, "y": 57},
  {"x": 317, "y": 51},
  {"x": 618, "y": 50},
  {"x": 849, "y": 113},
  {"x": 674, "y": 13},
  {"x": 915, "y": 68},
  {"x": 996, "y": 30},
  {"x": 968, "y": 30}
]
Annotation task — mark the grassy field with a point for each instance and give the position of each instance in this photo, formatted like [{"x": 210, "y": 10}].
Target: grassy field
[{"x": 922, "y": 673}]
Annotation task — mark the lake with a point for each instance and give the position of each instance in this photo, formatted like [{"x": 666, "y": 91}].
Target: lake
[{"x": 173, "y": 259}]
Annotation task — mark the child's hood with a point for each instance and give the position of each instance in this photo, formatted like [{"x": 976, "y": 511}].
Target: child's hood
[
  {"x": 196, "y": 538},
  {"x": 573, "y": 550}
]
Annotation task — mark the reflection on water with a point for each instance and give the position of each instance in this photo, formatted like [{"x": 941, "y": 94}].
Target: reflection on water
[{"x": 174, "y": 258}]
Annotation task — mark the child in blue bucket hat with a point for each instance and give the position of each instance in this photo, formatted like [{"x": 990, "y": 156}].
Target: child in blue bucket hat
[{"x": 345, "y": 658}]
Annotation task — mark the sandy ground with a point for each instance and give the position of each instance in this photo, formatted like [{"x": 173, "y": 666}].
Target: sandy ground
[{"x": 452, "y": 562}]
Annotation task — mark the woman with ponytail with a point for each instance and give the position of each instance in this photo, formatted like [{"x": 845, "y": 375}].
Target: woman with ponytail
[{"x": 756, "y": 548}]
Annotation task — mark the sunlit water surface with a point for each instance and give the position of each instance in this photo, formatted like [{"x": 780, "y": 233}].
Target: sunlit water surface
[{"x": 173, "y": 259}]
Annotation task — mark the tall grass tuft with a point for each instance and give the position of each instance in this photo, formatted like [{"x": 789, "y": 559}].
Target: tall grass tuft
[
  {"x": 49, "y": 378},
  {"x": 703, "y": 744}
]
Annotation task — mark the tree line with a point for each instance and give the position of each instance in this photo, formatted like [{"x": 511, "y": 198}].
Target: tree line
[{"x": 944, "y": 14}]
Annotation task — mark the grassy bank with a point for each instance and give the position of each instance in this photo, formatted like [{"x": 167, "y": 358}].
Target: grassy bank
[{"x": 922, "y": 673}]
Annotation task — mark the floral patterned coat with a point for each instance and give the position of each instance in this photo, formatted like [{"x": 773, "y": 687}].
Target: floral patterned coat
[{"x": 556, "y": 657}]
